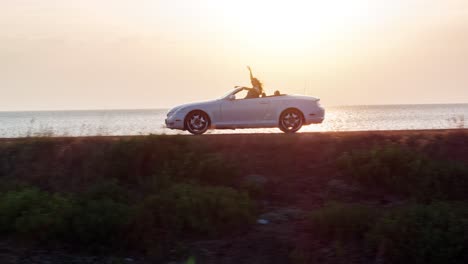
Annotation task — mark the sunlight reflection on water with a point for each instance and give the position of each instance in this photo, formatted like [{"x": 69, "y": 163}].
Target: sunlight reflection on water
[{"x": 144, "y": 122}]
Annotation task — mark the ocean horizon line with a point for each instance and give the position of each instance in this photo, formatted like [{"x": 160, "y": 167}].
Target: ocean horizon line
[{"x": 167, "y": 108}]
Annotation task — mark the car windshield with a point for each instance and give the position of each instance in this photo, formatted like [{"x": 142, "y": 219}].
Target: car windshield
[{"x": 228, "y": 93}]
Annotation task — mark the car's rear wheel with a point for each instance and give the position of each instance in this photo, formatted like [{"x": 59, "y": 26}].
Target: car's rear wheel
[
  {"x": 197, "y": 122},
  {"x": 291, "y": 120}
]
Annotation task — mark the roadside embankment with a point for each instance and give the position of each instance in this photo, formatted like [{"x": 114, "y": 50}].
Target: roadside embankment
[{"x": 337, "y": 197}]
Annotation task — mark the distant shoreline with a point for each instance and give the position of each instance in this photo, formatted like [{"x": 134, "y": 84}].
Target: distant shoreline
[{"x": 167, "y": 108}]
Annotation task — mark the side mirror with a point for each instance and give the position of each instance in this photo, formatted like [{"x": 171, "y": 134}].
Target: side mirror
[{"x": 231, "y": 97}]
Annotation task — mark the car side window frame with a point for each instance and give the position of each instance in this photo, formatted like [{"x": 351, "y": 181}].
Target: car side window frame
[{"x": 243, "y": 89}]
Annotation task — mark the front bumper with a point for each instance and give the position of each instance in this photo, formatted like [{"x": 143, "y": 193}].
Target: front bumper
[{"x": 174, "y": 123}]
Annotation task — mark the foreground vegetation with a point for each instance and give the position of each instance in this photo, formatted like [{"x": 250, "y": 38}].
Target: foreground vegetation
[
  {"x": 429, "y": 225},
  {"x": 403, "y": 171},
  {"x": 401, "y": 202},
  {"x": 412, "y": 233},
  {"x": 147, "y": 194}
]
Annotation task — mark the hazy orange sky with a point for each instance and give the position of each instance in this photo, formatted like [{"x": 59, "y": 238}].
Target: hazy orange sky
[{"x": 111, "y": 54}]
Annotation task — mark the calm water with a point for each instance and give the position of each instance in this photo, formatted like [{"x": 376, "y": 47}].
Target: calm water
[{"x": 144, "y": 122}]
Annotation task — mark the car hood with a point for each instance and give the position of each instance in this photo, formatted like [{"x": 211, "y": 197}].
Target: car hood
[{"x": 190, "y": 106}]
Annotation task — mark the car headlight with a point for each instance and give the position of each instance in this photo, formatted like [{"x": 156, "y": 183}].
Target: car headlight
[{"x": 175, "y": 111}]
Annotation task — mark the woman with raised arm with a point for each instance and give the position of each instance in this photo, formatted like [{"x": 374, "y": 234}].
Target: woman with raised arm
[{"x": 257, "y": 87}]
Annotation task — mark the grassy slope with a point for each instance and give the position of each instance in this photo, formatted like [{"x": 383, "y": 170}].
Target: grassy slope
[{"x": 299, "y": 174}]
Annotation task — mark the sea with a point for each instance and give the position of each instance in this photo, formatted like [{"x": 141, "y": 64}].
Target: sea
[{"x": 151, "y": 121}]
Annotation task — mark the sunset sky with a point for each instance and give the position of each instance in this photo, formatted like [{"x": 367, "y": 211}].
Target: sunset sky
[{"x": 112, "y": 54}]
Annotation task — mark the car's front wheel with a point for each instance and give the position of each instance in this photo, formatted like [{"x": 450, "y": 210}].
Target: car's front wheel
[
  {"x": 291, "y": 120},
  {"x": 197, "y": 122}
]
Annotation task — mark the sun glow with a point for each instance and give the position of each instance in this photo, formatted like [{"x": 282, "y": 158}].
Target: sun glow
[
  {"x": 296, "y": 24},
  {"x": 159, "y": 53}
]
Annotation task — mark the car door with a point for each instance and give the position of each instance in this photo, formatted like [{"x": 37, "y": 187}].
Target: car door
[{"x": 244, "y": 112}]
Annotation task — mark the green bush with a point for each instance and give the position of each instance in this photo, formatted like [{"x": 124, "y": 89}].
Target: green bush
[
  {"x": 98, "y": 222},
  {"x": 417, "y": 233},
  {"x": 21, "y": 158},
  {"x": 382, "y": 167},
  {"x": 133, "y": 190},
  {"x": 78, "y": 165},
  {"x": 406, "y": 172},
  {"x": 436, "y": 233},
  {"x": 106, "y": 189},
  {"x": 338, "y": 221},
  {"x": 33, "y": 213},
  {"x": 136, "y": 160},
  {"x": 208, "y": 169},
  {"x": 190, "y": 210},
  {"x": 100, "y": 215}
]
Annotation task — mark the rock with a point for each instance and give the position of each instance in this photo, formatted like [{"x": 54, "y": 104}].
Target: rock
[
  {"x": 263, "y": 221},
  {"x": 283, "y": 215}
]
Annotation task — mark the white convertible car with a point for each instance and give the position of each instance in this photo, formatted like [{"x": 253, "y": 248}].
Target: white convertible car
[{"x": 232, "y": 111}]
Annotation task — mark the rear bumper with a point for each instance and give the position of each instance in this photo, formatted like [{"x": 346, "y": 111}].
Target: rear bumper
[
  {"x": 316, "y": 117},
  {"x": 317, "y": 120}
]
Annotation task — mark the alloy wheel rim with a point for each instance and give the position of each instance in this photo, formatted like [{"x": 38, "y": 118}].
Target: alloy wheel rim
[
  {"x": 291, "y": 120},
  {"x": 198, "y": 122}
]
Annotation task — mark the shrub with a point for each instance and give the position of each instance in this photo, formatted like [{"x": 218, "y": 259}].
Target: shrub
[
  {"x": 186, "y": 210},
  {"x": 208, "y": 169},
  {"x": 22, "y": 157},
  {"x": 339, "y": 221},
  {"x": 106, "y": 189},
  {"x": 381, "y": 167},
  {"x": 132, "y": 161},
  {"x": 436, "y": 233},
  {"x": 137, "y": 159},
  {"x": 406, "y": 172},
  {"x": 445, "y": 180},
  {"x": 98, "y": 222},
  {"x": 33, "y": 213},
  {"x": 100, "y": 215}
]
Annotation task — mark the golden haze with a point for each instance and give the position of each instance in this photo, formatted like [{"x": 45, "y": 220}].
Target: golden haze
[{"x": 154, "y": 54}]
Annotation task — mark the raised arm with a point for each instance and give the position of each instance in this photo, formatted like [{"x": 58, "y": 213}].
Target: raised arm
[{"x": 250, "y": 70}]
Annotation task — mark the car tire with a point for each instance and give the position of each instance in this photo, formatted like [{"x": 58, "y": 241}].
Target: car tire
[
  {"x": 197, "y": 122},
  {"x": 291, "y": 120}
]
